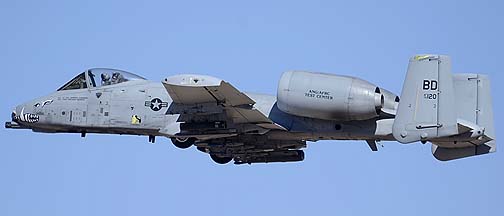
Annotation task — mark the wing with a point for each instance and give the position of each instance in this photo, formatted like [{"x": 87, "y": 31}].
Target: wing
[
  {"x": 227, "y": 122},
  {"x": 210, "y": 107}
]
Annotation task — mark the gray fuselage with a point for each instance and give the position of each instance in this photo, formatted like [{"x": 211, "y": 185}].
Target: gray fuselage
[{"x": 139, "y": 107}]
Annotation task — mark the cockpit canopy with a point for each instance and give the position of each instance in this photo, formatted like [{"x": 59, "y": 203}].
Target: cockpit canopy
[{"x": 97, "y": 77}]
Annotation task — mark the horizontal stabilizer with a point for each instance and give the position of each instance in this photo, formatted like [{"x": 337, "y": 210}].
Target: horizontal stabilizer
[{"x": 446, "y": 154}]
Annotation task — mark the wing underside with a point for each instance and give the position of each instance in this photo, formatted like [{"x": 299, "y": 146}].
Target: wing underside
[{"x": 226, "y": 121}]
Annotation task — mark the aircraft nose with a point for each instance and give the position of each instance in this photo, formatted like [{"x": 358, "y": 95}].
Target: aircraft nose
[
  {"x": 24, "y": 113},
  {"x": 15, "y": 115},
  {"x": 20, "y": 118}
]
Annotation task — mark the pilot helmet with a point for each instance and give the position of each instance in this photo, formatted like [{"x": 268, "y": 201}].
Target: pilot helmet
[
  {"x": 105, "y": 76},
  {"x": 115, "y": 75}
]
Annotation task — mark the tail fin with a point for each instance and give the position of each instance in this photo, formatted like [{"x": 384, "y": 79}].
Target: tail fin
[
  {"x": 426, "y": 107},
  {"x": 438, "y": 107},
  {"x": 474, "y": 106}
]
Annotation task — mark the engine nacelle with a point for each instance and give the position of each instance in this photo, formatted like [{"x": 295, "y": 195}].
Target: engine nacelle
[{"x": 328, "y": 96}]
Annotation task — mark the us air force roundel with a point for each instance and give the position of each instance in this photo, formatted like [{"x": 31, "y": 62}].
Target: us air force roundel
[{"x": 156, "y": 104}]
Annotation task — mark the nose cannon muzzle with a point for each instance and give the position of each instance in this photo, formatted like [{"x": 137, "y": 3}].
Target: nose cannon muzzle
[{"x": 14, "y": 123}]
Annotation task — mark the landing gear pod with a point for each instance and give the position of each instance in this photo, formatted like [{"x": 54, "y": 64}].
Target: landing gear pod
[{"x": 183, "y": 143}]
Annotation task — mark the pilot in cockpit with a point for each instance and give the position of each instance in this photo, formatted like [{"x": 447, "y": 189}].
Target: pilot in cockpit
[
  {"x": 117, "y": 78},
  {"x": 105, "y": 79}
]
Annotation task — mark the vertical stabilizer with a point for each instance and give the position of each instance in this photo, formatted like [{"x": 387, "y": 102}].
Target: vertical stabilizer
[
  {"x": 426, "y": 109},
  {"x": 473, "y": 101}
]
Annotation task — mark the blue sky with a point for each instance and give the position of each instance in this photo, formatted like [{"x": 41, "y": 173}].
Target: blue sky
[{"x": 248, "y": 43}]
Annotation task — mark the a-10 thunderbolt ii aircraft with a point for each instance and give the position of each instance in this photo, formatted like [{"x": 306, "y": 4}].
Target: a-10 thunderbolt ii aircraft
[{"x": 452, "y": 111}]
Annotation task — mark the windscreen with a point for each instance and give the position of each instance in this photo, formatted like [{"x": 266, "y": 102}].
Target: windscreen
[{"x": 79, "y": 82}]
